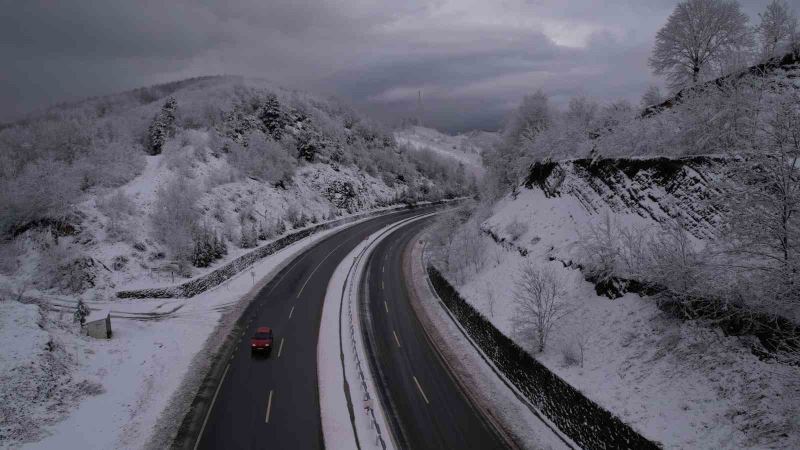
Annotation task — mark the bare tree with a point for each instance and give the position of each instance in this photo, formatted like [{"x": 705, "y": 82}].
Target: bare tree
[
  {"x": 698, "y": 33},
  {"x": 539, "y": 299},
  {"x": 507, "y": 161},
  {"x": 491, "y": 298},
  {"x": 600, "y": 248},
  {"x": 777, "y": 28},
  {"x": 763, "y": 205},
  {"x": 652, "y": 96}
]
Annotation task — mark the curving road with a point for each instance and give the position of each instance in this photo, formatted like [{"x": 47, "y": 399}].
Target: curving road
[
  {"x": 250, "y": 402},
  {"x": 426, "y": 406}
]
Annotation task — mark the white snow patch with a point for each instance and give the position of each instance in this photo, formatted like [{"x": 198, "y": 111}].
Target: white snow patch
[{"x": 679, "y": 383}]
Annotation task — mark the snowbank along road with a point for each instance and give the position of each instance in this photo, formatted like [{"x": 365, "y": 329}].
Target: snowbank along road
[{"x": 272, "y": 401}]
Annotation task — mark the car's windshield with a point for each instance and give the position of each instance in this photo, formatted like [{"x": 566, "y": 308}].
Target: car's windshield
[{"x": 263, "y": 336}]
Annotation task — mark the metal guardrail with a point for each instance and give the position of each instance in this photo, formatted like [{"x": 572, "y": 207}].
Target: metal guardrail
[{"x": 368, "y": 401}]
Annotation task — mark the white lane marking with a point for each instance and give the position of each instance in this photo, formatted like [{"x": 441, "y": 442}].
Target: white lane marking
[
  {"x": 383, "y": 268},
  {"x": 291, "y": 312},
  {"x": 320, "y": 263},
  {"x": 286, "y": 272},
  {"x": 382, "y": 285},
  {"x": 395, "y": 339},
  {"x": 280, "y": 349},
  {"x": 421, "y": 391},
  {"x": 385, "y": 306},
  {"x": 210, "y": 408},
  {"x": 269, "y": 406}
]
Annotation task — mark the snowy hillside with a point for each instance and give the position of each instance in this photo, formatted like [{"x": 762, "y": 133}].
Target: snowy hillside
[
  {"x": 685, "y": 384},
  {"x": 138, "y": 183},
  {"x": 151, "y": 188},
  {"x": 465, "y": 148}
]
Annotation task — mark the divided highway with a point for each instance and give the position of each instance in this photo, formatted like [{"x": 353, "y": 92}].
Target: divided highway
[
  {"x": 273, "y": 402},
  {"x": 427, "y": 408}
]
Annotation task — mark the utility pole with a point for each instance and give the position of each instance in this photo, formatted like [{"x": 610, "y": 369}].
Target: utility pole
[{"x": 419, "y": 107}]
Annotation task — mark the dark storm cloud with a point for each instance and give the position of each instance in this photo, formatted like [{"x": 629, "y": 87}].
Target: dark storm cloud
[{"x": 472, "y": 59}]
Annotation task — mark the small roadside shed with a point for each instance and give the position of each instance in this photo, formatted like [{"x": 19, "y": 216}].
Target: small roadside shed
[{"x": 98, "y": 324}]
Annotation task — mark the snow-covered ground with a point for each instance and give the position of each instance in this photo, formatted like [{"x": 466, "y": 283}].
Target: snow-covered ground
[
  {"x": 682, "y": 384},
  {"x": 78, "y": 391},
  {"x": 464, "y": 148}
]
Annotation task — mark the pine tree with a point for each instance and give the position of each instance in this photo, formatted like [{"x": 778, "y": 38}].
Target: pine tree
[
  {"x": 249, "y": 237},
  {"x": 162, "y": 127},
  {"x": 280, "y": 227},
  {"x": 220, "y": 249},
  {"x": 272, "y": 117},
  {"x": 81, "y": 311}
]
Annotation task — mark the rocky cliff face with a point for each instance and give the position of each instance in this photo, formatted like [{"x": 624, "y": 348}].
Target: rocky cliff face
[{"x": 657, "y": 189}]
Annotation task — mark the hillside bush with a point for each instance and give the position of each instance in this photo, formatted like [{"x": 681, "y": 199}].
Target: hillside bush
[
  {"x": 262, "y": 158},
  {"x": 45, "y": 189},
  {"x": 208, "y": 246},
  {"x": 516, "y": 229},
  {"x": 119, "y": 208},
  {"x": 174, "y": 217}
]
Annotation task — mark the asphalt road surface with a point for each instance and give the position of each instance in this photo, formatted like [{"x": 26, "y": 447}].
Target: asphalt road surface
[
  {"x": 427, "y": 408},
  {"x": 273, "y": 401}
]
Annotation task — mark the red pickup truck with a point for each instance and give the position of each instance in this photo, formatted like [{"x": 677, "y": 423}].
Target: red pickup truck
[{"x": 262, "y": 340}]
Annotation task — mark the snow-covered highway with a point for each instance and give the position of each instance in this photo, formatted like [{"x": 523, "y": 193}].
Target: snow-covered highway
[{"x": 249, "y": 401}]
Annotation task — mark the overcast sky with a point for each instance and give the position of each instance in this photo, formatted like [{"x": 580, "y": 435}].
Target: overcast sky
[{"x": 472, "y": 59}]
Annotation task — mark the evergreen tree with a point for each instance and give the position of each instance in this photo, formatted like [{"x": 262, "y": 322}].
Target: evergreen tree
[
  {"x": 162, "y": 127},
  {"x": 272, "y": 117},
  {"x": 81, "y": 311}
]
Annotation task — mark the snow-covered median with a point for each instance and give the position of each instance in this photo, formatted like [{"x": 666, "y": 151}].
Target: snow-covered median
[{"x": 344, "y": 378}]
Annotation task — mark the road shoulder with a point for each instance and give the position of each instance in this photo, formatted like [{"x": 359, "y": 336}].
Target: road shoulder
[{"x": 511, "y": 417}]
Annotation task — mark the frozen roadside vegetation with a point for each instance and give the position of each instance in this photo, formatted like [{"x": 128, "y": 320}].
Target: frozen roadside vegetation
[{"x": 682, "y": 384}]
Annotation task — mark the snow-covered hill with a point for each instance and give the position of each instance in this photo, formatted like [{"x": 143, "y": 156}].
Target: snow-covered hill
[
  {"x": 684, "y": 384},
  {"x": 465, "y": 148},
  {"x": 150, "y": 188}
]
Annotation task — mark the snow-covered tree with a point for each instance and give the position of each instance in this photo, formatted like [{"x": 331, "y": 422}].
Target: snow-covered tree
[
  {"x": 540, "y": 303},
  {"x": 531, "y": 117},
  {"x": 698, "y": 34},
  {"x": 81, "y": 312},
  {"x": 162, "y": 127},
  {"x": 777, "y": 28},
  {"x": 175, "y": 217},
  {"x": 272, "y": 117},
  {"x": 262, "y": 158},
  {"x": 507, "y": 161},
  {"x": 763, "y": 204},
  {"x": 652, "y": 96},
  {"x": 208, "y": 247}
]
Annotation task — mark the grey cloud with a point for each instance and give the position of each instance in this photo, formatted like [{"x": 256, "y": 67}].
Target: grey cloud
[{"x": 472, "y": 59}]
